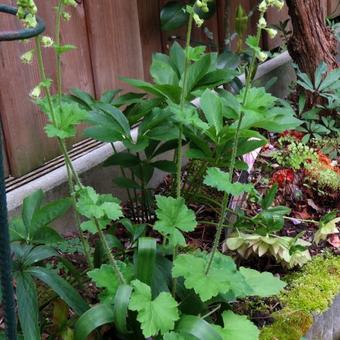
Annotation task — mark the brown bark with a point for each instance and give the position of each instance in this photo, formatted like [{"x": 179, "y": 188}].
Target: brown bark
[{"x": 312, "y": 41}]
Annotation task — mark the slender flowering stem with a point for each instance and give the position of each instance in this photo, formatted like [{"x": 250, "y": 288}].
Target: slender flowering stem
[
  {"x": 225, "y": 200},
  {"x": 180, "y": 135},
  {"x": 60, "y": 8},
  {"x": 72, "y": 172}
]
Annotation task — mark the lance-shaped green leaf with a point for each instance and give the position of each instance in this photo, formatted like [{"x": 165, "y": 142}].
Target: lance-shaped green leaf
[
  {"x": 106, "y": 278},
  {"x": 156, "y": 316},
  {"x": 220, "y": 180},
  {"x": 236, "y": 327},
  {"x": 93, "y": 318},
  {"x": 174, "y": 218},
  {"x": 211, "y": 105},
  {"x": 193, "y": 327},
  {"x": 222, "y": 277},
  {"x": 28, "y": 309}
]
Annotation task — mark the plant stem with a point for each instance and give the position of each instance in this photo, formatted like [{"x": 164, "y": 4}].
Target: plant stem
[
  {"x": 109, "y": 254},
  {"x": 83, "y": 240},
  {"x": 127, "y": 189},
  {"x": 60, "y": 8},
  {"x": 69, "y": 164},
  {"x": 212, "y": 311},
  {"x": 142, "y": 183},
  {"x": 212, "y": 223},
  {"x": 182, "y": 102},
  {"x": 180, "y": 134},
  {"x": 225, "y": 200},
  {"x": 301, "y": 220}
]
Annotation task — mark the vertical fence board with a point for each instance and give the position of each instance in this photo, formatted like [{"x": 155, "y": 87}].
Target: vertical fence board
[
  {"x": 334, "y": 8},
  {"x": 273, "y": 17},
  {"x": 23, "y": 124},
  {"x": 115, "y": 42},
  {"x": 4, "y": 153},
  {"x": 248, "y": 5},
  {"x": 199, "y": 37},
  {"x": 150, "y": 31}
]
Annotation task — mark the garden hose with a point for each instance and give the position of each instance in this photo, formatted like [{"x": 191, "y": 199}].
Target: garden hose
[{"x": 5, "y": 251}]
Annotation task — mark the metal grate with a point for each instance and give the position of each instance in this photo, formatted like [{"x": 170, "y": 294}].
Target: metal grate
[{"x": 78, "y": 150}]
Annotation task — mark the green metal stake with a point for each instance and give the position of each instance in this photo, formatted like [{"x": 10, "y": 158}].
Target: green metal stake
[{"x": 5, "y": 250}]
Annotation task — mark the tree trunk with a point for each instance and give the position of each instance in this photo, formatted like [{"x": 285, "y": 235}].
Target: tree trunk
[{"x": 312, "y": 41}]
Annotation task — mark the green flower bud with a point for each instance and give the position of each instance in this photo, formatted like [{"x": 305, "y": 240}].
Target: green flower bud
[
  {"x": 66, "y": 16},
  {"x": 272, "y": 32},
  {"x": 27, "y": 57},
  {"x": 262, "y": 56},
  {"x": 263, "y": 6},
  {"x": 47, "y": 41},
  {"x": 36, "y": 92},
  {"x": 262, "y": 23},
  {"x": 199, "y": 22}
]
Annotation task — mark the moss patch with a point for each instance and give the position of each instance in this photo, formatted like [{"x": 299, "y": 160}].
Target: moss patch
[{"x": 310, "y": 291}]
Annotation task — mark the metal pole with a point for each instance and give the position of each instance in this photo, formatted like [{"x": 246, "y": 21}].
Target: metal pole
[{"x": 5, "y": 260}]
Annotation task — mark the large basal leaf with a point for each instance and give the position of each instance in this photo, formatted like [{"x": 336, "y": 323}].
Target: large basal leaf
[
  {"x": 263, "y": 284},
  {"x": 123, "y": 159},
  {"x": 221, "y": 278},
  {"x": 170, "y": 92},
  {"x": 30, "y": 205},
  {"x": 117, "y": 115},
  {"x": 17, "y": 230},
  {"x": 196, "y": 72},
  {"x": 236, "y": 327},
  {"x": 49, "y": 213},
  {"x": 28, "y": 309},
  {"x": 220, "y": 180},
  {"x": 174, "y": 218},
  {"x": 156, "y": 316},
  {"x": 212, "y": 108},
  {"x": 162, "y": 71},
  {"x": 164, "y": 165},
  {"x": 177, "y": 57},
  {"x": 65, "y": 291},
  {"x": 38, "y": 254},
  {"x": 173, "y": 16},
  {"x": 191, "y": 325},
  {"x": 95, "y": 317},
  {"x": 47, "y": 235}
]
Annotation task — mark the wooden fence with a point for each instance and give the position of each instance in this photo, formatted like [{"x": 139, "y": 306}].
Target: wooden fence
[{"x": 113, "y": 38}]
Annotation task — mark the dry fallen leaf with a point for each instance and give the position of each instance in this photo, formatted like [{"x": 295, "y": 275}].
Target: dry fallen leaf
[
  {"x": 312, "y": 204},
  {"x": 334, "y": 240}
]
